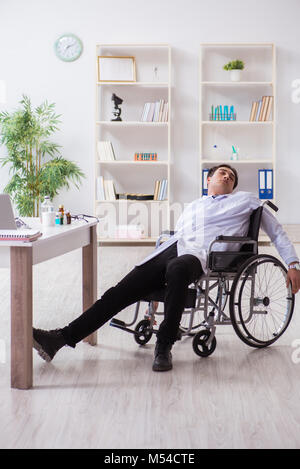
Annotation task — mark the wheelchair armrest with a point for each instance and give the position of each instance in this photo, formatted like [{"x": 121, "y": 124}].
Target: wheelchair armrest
[
  {"x": 168, "y": 232},
  {"x": 232, "y": 239},
  {"x": 165, "y": 233}
]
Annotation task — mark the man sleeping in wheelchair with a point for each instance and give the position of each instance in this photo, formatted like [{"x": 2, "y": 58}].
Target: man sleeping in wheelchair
[{"x": 215, "y": 239}]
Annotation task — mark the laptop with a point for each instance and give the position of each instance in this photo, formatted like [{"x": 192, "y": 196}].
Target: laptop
[{"x": 7, "y": 219}]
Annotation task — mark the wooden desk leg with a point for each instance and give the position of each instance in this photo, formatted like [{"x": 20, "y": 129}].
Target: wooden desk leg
[
  {"x": 21, "y": 317},
  {"x": 89, "y": 277}
]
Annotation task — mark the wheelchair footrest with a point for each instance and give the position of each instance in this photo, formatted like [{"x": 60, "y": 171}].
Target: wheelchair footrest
[{"x": 121, "y": 325}]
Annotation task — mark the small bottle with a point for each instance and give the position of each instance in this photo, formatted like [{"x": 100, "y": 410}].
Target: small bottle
[
  {"x": 61, "y": 211},
  {"x": 68, "y": 217},
  {"x": 47, "y": 212},
  {"x": 47, "y": 205},
  {"x": 57, "y": 218},
  {"x": 234, "y": 154}
]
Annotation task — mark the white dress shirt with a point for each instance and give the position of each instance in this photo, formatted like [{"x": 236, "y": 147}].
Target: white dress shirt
[{"x": 229, "y": 215}]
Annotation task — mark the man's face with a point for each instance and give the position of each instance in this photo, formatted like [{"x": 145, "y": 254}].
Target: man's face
[{"x": 221, "y": 182}]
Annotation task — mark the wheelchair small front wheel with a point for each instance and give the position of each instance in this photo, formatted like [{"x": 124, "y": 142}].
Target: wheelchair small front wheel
[
  {"x": 143, "y": 332},
  {"x": 200, "y": 346}
]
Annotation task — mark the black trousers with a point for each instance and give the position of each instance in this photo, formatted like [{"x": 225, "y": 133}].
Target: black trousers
[{"x": 168, "y": 270}]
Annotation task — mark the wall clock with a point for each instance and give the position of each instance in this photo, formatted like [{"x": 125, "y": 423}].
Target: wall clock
[{"x": 68, "y": 47}]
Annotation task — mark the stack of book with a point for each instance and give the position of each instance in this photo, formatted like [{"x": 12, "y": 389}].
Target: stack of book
[
  {"x": 130, "y": 196},
  {"x": 105, "y": 151},
  {"x": 160, "y": 189},
  {"x": 155, "y": 112},
  {"x": 105, "y": 189},
  {"x": 261, "y": 110},
  {"x": 129, "y": 231},
  {"x": 145, "y": 157}
]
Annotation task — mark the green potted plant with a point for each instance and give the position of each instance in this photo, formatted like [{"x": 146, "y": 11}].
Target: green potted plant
[
  {"x": 36, "y": 165},
  {"x": 235, "y": 67}
]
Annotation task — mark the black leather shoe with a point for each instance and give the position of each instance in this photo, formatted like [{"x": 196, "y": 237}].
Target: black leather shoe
[
  {"x": 162, "y": 357},
  {"x": 47, "y": 343}
]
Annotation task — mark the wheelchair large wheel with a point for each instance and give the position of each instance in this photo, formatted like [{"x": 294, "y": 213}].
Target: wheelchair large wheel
[{"x": 261, "y": 306}]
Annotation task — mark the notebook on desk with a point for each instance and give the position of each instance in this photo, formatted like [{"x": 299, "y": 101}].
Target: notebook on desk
[
  {"x": 8, "y": 227},
  {"x": 19, "y": 235}
]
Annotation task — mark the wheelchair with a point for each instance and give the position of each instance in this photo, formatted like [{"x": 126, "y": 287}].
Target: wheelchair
[{"x": 252, "y": 285}]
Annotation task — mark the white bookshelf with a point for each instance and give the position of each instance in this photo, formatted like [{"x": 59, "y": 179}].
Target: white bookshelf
[
  {"x": 256, "y": 140},
  {"x": 130, "y": 136}
]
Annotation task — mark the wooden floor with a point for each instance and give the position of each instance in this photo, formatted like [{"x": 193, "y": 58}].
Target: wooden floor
[{"x": 107, "y": 396}]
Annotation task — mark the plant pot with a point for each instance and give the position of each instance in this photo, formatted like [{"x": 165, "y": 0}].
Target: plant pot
[{"x": 235, "y": 75}]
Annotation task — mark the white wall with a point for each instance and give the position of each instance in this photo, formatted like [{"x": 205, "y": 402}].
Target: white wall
[{"x": 29, "y": 28}]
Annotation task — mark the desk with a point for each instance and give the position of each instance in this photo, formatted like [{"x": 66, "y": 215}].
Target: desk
[{"x": 21, "y": 257}]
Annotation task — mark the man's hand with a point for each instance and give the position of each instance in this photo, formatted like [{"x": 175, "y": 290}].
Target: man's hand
[{"x": 293, "y": 277}]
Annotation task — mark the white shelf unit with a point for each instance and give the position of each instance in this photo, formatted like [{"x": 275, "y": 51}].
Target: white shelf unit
[
  {"x": 256, "y": 140},
  {"x": 130, "y": 136}
]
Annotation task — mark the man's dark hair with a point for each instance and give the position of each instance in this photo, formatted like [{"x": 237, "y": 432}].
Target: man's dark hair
[{"x": 214, "y": 169}]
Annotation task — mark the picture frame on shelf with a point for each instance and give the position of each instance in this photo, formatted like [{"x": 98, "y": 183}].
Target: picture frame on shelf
[{"x": 116, "y": 69}]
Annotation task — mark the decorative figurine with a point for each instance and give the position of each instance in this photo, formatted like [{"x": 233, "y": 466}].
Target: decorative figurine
[{"x": 117, "y": 111}]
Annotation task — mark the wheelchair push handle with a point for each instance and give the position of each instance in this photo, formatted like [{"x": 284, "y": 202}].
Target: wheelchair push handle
[{"x": 273, "y": 206}]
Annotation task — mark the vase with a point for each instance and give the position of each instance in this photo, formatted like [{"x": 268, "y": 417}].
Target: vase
[{"x": 235, "y": 75}]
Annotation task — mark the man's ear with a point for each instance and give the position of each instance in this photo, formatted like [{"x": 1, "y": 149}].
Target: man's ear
[{"x": 208, "y": 179}]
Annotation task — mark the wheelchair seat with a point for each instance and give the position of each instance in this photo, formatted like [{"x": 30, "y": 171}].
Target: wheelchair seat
[{"x": 159, "y": 295}]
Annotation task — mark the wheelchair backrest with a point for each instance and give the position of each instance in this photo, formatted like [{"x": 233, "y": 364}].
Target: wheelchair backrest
[{"x": 253, "y": 230}]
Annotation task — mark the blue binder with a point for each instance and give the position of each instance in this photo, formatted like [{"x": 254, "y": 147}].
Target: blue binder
[
  {"x": 265, "y": 183},
  {"x": 204, "y": 181}
]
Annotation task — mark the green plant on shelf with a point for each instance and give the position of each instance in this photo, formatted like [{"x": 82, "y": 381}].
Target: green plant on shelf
[
  {"x": 234, "y": 65},
  {"x": 36, "y": 165}
]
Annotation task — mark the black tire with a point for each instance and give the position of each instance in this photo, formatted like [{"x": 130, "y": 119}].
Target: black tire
[
  {"x": 199, "y": 344},
  {"x": 144, "y": 332},
  {"x": 260, "y": 316}
]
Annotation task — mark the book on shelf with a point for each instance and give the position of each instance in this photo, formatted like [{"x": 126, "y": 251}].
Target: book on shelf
[
  {"x": 269, "y": 107},
  {"x": 145, "y": 111},
  {"x": 105, "y": 189},
  {"x": 261, "y": 109},
  {"x": 265, "y": 183},
  {"x": 160, "y": 189},
  {"x": 105, "y": 151},
  {"x": 156, "y": 189},
  {"x": 20, "y": 235},
  {"x": 259, "y": 104},
  {"x": 100, "y": 188},
  {"x": 204, "y": 181},
  {"x": 253, "y": 112},
  {"x": 155, "y": 112},
  {"x": 151, "y": 112},
  {"x": 165, "y": 113},
  {"x": 109, "y": 190}
]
